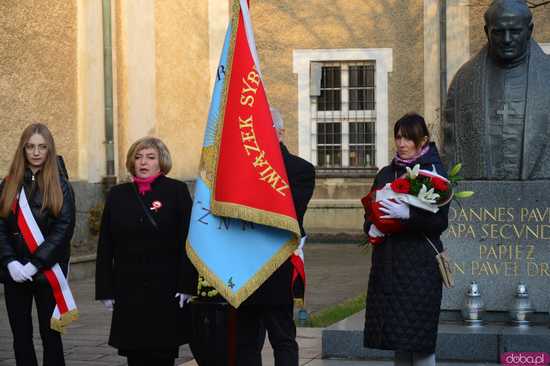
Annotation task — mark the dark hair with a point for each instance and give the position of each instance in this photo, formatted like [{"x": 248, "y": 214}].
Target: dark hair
[{"x": 413, "y": 127}]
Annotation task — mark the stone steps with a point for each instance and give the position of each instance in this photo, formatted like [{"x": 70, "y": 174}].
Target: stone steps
[{"x": 456, "y": 342}]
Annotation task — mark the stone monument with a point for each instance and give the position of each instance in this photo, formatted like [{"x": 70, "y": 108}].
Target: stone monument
[
  {"x": 497, "y": 116},
  {"x": 498, "y": 126}
]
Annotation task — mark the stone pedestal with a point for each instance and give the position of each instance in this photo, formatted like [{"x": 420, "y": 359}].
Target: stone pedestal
[
  {"x": 498, "y": 238},
  {"x": 455, "y": 342}
]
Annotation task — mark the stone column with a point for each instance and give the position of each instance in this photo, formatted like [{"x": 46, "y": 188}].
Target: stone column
[{"x": 90, "y": 90}]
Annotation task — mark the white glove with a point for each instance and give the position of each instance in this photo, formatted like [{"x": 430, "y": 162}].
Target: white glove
[
  {"x": 374, "y": 232},
  {"x": 395, "y": 209},
  {"x": 183, "y": 298},
  {"x": 17, "y": 272},
  {"x": 30, "y": 269},
  {"x": 109, "y": 304}
]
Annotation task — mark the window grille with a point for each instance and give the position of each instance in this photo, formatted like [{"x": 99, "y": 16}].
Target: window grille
[{"x": 344, "y": 115}]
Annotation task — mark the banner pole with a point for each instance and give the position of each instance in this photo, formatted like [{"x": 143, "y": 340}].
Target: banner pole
[{"x": 232, "y": 336}]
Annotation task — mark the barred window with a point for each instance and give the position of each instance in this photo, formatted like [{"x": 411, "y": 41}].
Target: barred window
[{"x": 343, "y": 110}]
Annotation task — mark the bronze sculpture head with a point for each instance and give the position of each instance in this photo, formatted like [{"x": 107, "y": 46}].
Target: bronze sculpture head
[{"x": 508, "y": 26}]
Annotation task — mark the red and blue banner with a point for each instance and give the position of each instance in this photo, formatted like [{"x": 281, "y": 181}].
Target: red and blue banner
[{"x": 243, "y": 223}]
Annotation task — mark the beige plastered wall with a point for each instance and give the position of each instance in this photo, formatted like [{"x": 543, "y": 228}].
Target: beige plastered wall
[
  {"x": 183, "y": 80},
  {"x": 163, "y": 77},
  {"x": 281, "y": 26},
  {"x": 134, "y": 34},
  {"x": 38, "y": 76},
  {"x": 541, "y": 19}
]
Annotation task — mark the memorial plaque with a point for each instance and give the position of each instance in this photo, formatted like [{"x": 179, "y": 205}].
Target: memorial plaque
[{"x": 499, "y": 238}]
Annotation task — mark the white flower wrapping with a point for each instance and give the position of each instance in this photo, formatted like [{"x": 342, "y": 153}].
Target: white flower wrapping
[
  {"x": 426, "y": 199},
  {"x": 387, "y": 193}
]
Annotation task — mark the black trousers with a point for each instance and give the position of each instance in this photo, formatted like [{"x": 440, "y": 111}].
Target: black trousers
[
  {"x": 149, "y": 360},
  {"x": 139, "y": 357},
  {"x": 19, "y": 298},
  {"x": 252, "y": 323}
]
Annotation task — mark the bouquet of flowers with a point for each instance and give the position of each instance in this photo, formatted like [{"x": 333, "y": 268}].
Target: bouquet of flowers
[
  {"x": 205, "y": 290},
  {"x": 420, "y": 188}
]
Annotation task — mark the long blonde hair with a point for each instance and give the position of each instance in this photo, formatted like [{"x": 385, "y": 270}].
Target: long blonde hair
[{"x": 48, "y": 179}]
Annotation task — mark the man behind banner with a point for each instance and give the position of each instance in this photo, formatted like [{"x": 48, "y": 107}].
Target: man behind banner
[{"x": 270, "y": 308}]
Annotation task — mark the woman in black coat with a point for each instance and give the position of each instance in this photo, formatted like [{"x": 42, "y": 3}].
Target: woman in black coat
[
  {"x": 404, "y": 293},
  {"x": 29, "y": 271},
  {"x": 142, "y": 271}
]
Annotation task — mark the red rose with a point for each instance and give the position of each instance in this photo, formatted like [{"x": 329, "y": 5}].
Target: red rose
[
  {"x": 439, "y": 184},
  {"x": 400, "y": 185}
]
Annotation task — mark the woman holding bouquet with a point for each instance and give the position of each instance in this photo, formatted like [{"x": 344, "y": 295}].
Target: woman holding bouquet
[{"x": 404, "y": 293}]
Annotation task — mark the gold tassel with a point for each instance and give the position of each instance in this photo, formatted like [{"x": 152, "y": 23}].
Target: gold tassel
[
  {"x": 299, "y": 303},
  {"x": 66, "y": 319}
]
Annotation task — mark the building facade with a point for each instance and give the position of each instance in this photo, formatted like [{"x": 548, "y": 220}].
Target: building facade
[{"x": 103, "y": 73}]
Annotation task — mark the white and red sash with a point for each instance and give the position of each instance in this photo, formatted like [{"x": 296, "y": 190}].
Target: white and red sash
[
  {"x": 65, "y": 311},
  {"x": 299, "y": 272}
]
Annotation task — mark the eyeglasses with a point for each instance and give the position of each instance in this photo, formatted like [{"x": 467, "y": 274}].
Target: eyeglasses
[{"x": 42, "y": 148}]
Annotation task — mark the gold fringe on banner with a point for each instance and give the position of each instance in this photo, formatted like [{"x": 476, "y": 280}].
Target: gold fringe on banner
[
  {"x": 66, "y": 319},
  {"x": 255, "y": 215},
  {"x": 207, "y": 165},
  {"x": 237, "y": 298}
]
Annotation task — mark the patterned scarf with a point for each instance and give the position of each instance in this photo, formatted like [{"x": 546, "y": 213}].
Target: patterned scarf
[{"x": 407, "y": 162}]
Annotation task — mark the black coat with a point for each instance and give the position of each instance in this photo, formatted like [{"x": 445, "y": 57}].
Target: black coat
[
  {"x": 301, "y": 175},
  {"x": 57, "y": 232},
  {"x": 142, "y": 268},
  {"x": 404, "y": 293}
]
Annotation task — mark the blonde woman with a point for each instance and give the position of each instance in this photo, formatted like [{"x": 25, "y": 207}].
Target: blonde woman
[
  {"x": 143, "y": 273},
  {"x": 35, "y": 174}
]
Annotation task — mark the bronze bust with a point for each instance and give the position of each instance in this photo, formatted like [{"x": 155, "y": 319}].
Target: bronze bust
[{"x": 497, "y": 115}]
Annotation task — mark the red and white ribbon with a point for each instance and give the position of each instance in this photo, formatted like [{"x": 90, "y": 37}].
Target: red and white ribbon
[
  {"x": 65, "y": 311},
  {"x": 297, "y": 260}
]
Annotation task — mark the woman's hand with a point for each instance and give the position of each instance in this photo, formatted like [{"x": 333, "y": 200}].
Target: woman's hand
[
  {"x": 375, "y": 235},
  {"x": 17, "y": 272},
  {"x": 109, "y": 304},
  {"x": 395, "y": 209},
  {"x": 183, "y": 298},
  {"x": 375, "y": 232},
  {"x": 30, "y": 269}
]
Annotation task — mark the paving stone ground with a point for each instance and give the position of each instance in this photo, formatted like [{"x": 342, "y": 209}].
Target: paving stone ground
[{"x": 335, "y": 272}]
